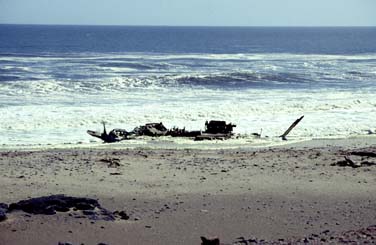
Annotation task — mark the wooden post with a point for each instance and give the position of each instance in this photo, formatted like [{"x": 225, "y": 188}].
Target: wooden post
[{"x": 283, "y": 136}]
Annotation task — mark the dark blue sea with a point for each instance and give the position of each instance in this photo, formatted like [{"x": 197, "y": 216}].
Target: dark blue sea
[{"x": 58, "y": 81}]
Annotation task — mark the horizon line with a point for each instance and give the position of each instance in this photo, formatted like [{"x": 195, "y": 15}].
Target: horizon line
[{"x": 245, "y": 26}]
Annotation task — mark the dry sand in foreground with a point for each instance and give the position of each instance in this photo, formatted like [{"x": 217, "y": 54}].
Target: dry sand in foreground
[{"x": 176, "y": 196}]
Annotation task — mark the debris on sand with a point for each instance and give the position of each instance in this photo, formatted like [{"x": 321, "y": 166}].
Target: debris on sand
[
  {"x": 112, "y": 162},
  {"x": 350, "y": 162},
  {"x": 3, "y": 211},
  {"x": 360, "y": 236}
]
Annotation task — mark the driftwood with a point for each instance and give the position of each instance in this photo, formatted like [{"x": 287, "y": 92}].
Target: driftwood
[
  {"x": 283, "y": 136},
  {"x": 351, "y": 163},
  {"x": 112, "y": 162},
  {"x": 348, "y": 162},
  {"x": 363, "y": 153}
]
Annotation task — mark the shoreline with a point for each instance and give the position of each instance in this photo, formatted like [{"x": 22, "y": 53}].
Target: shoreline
[
  {"x": 168, "y": 143},
  {"x": 174, "y": 196}
]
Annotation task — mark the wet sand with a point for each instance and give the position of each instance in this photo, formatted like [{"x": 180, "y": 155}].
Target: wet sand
[{"x": 174, "y": 196}]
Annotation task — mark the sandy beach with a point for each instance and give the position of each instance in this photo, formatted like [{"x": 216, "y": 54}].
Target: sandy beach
[{"x": 174, "y": 196}]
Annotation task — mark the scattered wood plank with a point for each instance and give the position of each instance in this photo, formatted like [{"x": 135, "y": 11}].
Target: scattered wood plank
[
  {"x": 283, "y": 136},
  {"x": 115, "y": 174}
]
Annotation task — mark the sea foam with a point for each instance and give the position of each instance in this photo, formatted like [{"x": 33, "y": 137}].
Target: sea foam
[{"x": 73, "y": 93}]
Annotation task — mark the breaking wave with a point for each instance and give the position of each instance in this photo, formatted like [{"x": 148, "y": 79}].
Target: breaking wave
[
  {"x": 64, "y": 95},
  {"x": 91, "y": 73}
]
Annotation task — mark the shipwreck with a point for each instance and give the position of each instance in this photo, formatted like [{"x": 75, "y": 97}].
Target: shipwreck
[{"x": 213, "y": 130}]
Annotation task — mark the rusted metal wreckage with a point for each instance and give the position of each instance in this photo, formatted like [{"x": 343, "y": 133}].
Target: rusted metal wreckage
[{"x": 213, "y": 130}]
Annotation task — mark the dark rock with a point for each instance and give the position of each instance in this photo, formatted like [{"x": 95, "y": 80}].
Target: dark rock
[
  {"x": 3, "y": 215},
  {"x": 89, "y": 212},
  {"x": 106, "y": 215},
  {"x": 252, "y": 240},
  {"x": 84, "y": 206},
  {"x": 241, "y": 240},
  {"x": 3, "y": 211},
  {"x": 50, "y": 204},
  {"x": 50, "y": 210},
  {"x": 61, "y": 208},
  {"x": 210, "y": 241},
  {"x": 4, "y": 207},
  {"x": 122, "y": 214}
]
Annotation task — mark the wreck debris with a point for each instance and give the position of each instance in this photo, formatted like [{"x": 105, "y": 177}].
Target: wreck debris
[
  {"x": 151, "y": 129},
  {"x": 177, "y": 132},
  {"x": 283, "y": 136},
  {"x": 213, "y": 130},
  {"x": 216, "y": 130},
  {"x": 218, "y": 127},
  {"x": 205, "y": 136},
  {"x": 115, "y": 135}
]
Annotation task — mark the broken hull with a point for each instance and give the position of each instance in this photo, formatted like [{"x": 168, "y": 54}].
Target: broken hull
[
  {"x": 94, "y": 134},
  {"x": 206, "y": 136},
  {"x": 104, "y": 137},
  {"x": 158, "y": 129}
]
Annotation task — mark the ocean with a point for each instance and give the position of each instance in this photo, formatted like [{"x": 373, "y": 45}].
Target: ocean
[{"x": 56, "y": 82}]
